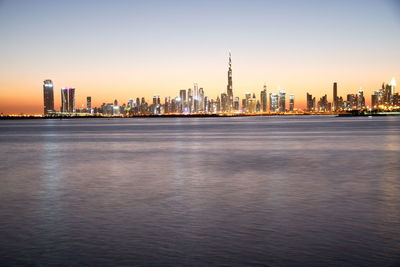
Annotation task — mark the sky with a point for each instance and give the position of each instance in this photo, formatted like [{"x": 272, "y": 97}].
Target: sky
[{"x": 127, "y": 49}]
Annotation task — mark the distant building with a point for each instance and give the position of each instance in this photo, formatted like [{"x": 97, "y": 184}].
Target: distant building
[
  {"x": 48, "y": 97},
  {"x": 323, "y": 105},
  {"x": 229, "y": 87},
  {"x": 224, "y": 102},
  {"x": 291, "y": 102},
  {"x": 335, "y": 98},
  {"x": 89, "y": 103},
  {"x": 200, "y": 100},
  {"x": 68, "y": 100},
  {"x": 263, "y": 98},
  {"x": 360, "y": 99},
  {"x": 282, "y": 101},
  {"x": 116, "y": 109},
  {"x": 310, "y": 103},
  {"x": 236, "y": 104},
  {"x": 273, "y": 102}
]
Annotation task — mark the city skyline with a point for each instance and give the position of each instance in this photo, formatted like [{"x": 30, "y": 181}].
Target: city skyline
[
  {"x": 196, "y": 101},
  {"x": 109, "y": 53}
]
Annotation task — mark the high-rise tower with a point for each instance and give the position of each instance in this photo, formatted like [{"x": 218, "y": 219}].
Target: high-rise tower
[
  {"x": 335, "y": 98},
  {"x": 68, "y": 100},
  {"x": 48, "y": 96},
  {"x": 263, "y": 98},
  {"x": 229, "y": 89}
]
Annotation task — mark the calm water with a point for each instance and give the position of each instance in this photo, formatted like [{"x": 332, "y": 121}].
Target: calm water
[{"x": 273, "y": 191}]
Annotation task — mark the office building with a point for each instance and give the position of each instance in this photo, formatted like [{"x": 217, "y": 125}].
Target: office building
[
  {"x": 335, "y": 98},
  {"x": 67, "y": 100},
  {"x": 48, "y": 97},
  {"x": 263, "y": 98},
  {"x": 310, "y": 103},
  {"x": 89, "y": 103},
  {"x": 291, "y": 102},
  {"x": 273, "y": 102},
  {"x": 282, "y": 101}
]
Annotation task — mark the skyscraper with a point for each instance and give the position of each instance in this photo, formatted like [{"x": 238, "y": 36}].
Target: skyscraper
[
  {"x": 273, "y": 102},
  {"x": 88, "y": 103},
  {"x": 48, "y": 96},
  {"x": 229, "y": 90},
  {"x": 68, "y": 100},
  {"x": 182, "y": 103},
  {"x": 282, "y": 101},
  {"x": 263, "y": 97},
  {"x": 360, "y": 99},
  {"x": 291, "y": 102},
  {"x": 195, "y": 101},
  {"x": 335, "y": 98},
  {"x": 200, "y": 99},
  {"x": 310, "y": 102}
]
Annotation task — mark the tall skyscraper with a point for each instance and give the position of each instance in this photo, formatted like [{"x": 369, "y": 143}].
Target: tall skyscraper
[
  {"x": 229, "y": 90},
  {"x": 195, "y": 101},
  {"x": 68, "y": 100},
  {"x": 48, "y": 96},
  {"x": 273, "y": 102},
  {"x": 310, "y": 102},
  {"x": 183, "y": 101},
  {"x": 360, "y": 99},
  {"x": 200, "y": 99},
  {"x": 89, "y": 103},
  {"x": 282, "y": 101},
  {"x": 291, "y": 102},
  {"x": 335, "y": 98},
  {"x": 263, "y": 97}
]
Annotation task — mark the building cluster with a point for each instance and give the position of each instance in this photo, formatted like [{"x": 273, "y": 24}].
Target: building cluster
[
  {"x": 189, "y": 101},
  {"x": 195, "y": 101},
  {"x": 385, "y": 98}
]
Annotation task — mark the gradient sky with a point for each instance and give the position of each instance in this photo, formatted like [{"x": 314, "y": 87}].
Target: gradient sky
[{"x": 127, "y": 49}]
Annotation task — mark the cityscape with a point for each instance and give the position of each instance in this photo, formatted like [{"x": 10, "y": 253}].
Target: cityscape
[
  {"x": 194, "y": 101},
  {"x": 200, "y": 133}
]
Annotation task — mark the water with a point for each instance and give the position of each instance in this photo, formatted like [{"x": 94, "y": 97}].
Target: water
[{"x": 272, "y": 191}]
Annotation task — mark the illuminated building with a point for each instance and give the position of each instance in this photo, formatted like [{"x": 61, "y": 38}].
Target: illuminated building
[
  {"x": 229, "y": 89},
  {"x": 48, "y": 96},
  {"x": 89, "y": 103},
  {"x": 206, "y": 106},
  {"x": 200, "y": 100},
  {"x": 195, "y": 101},
  {"x": 273, "y": 102},
  {"x": 323, "y": 104},
  {"x": 291, "y": 102},
  {"x": 351, "y": 101},
  {"x": 263, "y": 98},
  {"x": 68, "y": 100},
  {"x": 156, "y": 107},
  {"x": 360, "y": 99},
  {"x": 116, "y": 109}
]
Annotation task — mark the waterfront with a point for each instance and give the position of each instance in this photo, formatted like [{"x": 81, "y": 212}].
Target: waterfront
[{"x": 310, "y": 190}]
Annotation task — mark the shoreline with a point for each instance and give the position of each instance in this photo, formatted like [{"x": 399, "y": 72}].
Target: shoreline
[{"x": 342, "y": 114}]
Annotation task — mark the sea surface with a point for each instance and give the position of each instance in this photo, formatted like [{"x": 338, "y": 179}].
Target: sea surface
[{"x": 267, "y": 191}]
